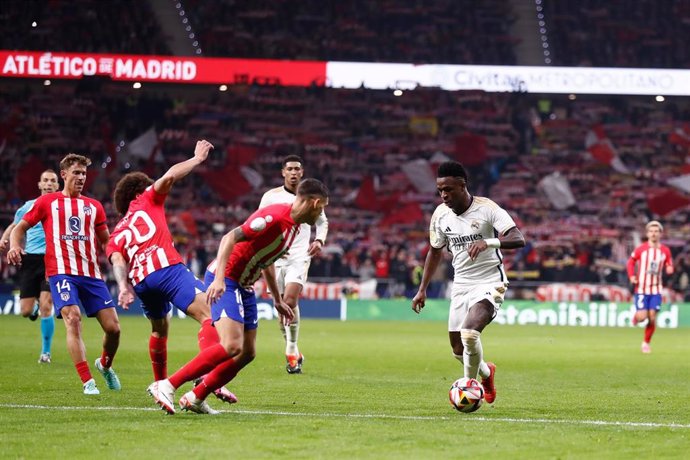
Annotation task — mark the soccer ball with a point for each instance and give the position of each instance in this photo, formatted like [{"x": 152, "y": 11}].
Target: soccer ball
[{"x": 466, "y": 395}]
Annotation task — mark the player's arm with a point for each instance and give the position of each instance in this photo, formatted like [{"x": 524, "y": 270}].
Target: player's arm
[
  {"x": 16, "y": 251},
  {"x": 321, "y": 232},
  {"x": 120, "y": 270},
  {"x": 431, "y": 262},
  {"x": 180, "y": 170},
  {"x": 284, "y": 310},
  {"x": 103, "y": 235},
  {"x": 5, "y": 238},
  {"x": 669, "y": 262},
  {"x": 630, "y": 266},
  {"x": 227, "y": 243},
  {"x": 511, "y": 239}
]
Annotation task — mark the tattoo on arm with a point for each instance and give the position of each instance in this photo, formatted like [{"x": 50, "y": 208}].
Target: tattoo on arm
[{"x": 120, "y": 272}]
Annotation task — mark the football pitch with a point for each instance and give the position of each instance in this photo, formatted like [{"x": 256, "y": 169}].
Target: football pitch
[{"x": 369, "y": 390}]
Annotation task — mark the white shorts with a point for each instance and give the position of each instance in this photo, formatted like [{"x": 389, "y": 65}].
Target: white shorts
[
  {"x": 463, "y": 298},
  {"x": 292, "y": 271}
]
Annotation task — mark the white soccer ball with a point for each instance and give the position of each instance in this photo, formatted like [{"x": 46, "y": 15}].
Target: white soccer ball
[{"x": 466, "y": 395}]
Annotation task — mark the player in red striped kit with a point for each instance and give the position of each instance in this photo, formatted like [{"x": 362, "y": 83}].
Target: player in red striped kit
[
  {"x": 650, "y": 258},
  {"x": 75, "y": 228},
  {"x": 244, "y": 254},
  {"x": 142, "y": 252}
]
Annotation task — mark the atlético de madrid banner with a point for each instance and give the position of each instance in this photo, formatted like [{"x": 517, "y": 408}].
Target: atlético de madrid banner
[{"x": 403, "y": 76}]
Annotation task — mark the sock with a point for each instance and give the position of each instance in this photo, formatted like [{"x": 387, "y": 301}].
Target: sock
[
  {"x": 208, "y": 335},
  {"x": 292, "y": 334},
  {"x": 473, "y": 353},
  {"x": 83, "y": 371},
  {"x": 484, "y": 370},
  {"x": 106, "y": 360},
  {"x": 47, "y": 331},
  {"x": 158, "y": 351},
  {"x": 201, "y": 364},
  {"x": 221, "y": 375},
  {"x": 649, "y": 331}
]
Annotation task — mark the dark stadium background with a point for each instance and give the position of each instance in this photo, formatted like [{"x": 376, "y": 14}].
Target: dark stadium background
[{"x": 357, "y": 140}]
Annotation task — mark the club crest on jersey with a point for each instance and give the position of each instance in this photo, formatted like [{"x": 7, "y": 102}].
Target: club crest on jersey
[
  {"x": 87, "y": 211},
  {"x": 475, "y": 225},
  {"x": 74, "y": 224}
]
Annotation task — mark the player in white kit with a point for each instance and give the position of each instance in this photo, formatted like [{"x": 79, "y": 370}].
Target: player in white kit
[
  {"x": 473, "y": 229},
  {"x": 292, "y": 268}
]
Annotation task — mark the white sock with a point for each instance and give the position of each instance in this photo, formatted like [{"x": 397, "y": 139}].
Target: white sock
[
  {"x": 484, "y": 370},
  {"x": 292, "y": 334},
  {"x": 473, "y": 353}
]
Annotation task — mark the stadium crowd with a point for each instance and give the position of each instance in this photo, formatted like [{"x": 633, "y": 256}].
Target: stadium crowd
[{"x": 363, "y": 143}]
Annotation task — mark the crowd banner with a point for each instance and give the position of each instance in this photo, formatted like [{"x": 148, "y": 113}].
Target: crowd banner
[{"x": 353, "y": 75}]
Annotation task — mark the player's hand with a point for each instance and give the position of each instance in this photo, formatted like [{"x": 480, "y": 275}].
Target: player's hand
[
  {"x": 126, "y": 297},
  {"x": 315, "y": 248},
  {"x": 215, "y": 291},
  {"x": 418, "y": 301},
  {"x": 284, "y": 312},
  {"x": 475, "y": 248},
  {"x": 633, "y": 280},
  {"x": 4, "y": 244},
  {"x": 14, "y": 256},
  {"x": 202, "y": 149}
]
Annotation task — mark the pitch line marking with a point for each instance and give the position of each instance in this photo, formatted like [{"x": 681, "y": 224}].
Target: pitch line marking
[{"x": 468, "y": 418}]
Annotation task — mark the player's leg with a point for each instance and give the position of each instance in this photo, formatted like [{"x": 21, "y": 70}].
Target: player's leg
[
  {"x": 226, "y": 371},
  {"x": 45, "y": 303},
  {"x": 653, "y": 304},
  {"x": 28, "y": 308},
  {"x": 66, "y": 297},
  {"x": 110, "y": 323},
  {"x": 292, "y": 354},
  {"x": 641, "y": 301},
  {"x": 29, "y": 288},
  {"x": 231, "y": 343},
  {"x": 158, "y": 347}
]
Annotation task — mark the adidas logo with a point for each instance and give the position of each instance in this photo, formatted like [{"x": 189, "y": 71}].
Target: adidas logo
[{"x": 447, "y": 229}]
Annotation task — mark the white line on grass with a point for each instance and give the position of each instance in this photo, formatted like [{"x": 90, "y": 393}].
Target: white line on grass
[{"x": 466, "y": 418}]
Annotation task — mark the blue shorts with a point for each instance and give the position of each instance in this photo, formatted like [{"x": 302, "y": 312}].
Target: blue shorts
[
  {"x": 91, "y": 293},
  {"x": 237, "y": 303},
  {"x": 174, "y": 285},
  {"x": 647, "y": 302}
]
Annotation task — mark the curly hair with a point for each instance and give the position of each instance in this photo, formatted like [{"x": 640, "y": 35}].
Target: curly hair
[{"x": 128, "y": 188}]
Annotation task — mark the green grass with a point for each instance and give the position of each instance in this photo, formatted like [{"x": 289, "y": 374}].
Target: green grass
[{"x": 369, "y": 390}]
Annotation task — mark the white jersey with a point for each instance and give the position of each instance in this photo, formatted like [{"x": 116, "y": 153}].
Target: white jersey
[
  {"x": 300, "y": 247},
  {"x": 482, "y": 220}
]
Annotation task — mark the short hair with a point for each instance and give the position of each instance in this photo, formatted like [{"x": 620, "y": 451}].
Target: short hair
[
  {"x": 128, "y": 188},
  {"x": 73, "y": 158},
  {"x": 49, "y": 171},
  {"x": 654, "y": 223},
  {"x": 452, "y": 169},
  {"x": 312, "y": 188},
  {"x": 291, "y": 158}
]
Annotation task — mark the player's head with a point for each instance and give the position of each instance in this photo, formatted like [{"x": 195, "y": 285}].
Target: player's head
[
  {"x": 73, "y": 172},
  {"x": 292, "y": 171},
  {"x": 128, "y": 188},
  {"x": 654, "y": 231},
  {"x": 48, "y": 182},
  {"x": 312, "y": 198},
  {"x": 451, "y": 183}
]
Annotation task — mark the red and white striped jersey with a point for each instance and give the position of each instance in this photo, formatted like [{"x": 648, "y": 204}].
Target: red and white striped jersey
[
  {"x": 143, "y": 237},
  {"x": 650, "y": 262},
  {"x": 70, "y": 225},
  {"x": 270, "y": 232}
]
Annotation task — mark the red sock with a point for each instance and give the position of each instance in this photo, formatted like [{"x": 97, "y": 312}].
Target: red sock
[
  {"x": 201, "y": 364},
  {"x": 106, "y": 359},
  {"x": 649, "y": 331},
  {"x": 208, "y": 335},
  {"x": 222, "y": 374},
  {"x": 158, "y": 350},
  {"x": 83, "y": 371}
]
